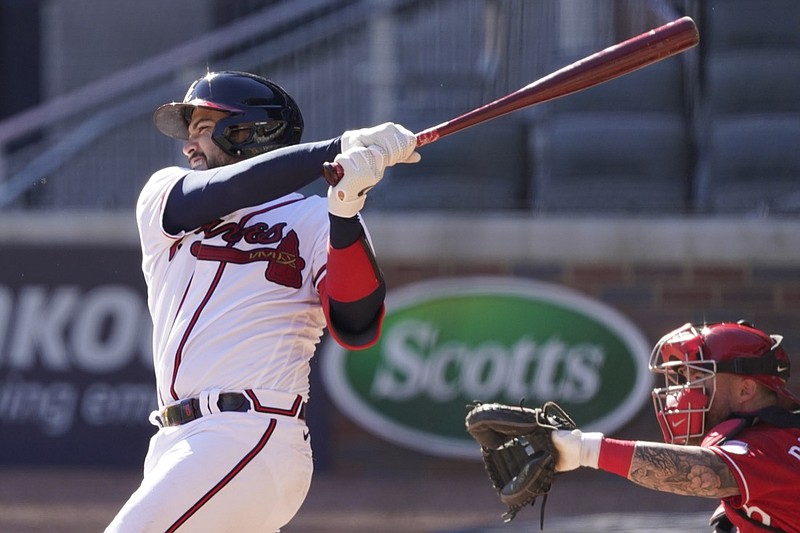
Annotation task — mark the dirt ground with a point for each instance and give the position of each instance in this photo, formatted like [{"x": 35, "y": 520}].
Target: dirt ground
[
  {"x": 363, "y": 484},
  {"x": 444, "y": 499}
]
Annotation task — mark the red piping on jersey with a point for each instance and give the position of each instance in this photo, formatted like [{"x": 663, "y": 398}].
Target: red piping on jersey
[
  {"x": 292, "y": 411},
  {"x": 195, "y": 317},
  {"x": 227, "y": 479},
  {"x": 175, "y": 368},
  {"x": 248, "y": 216},
  {"x": 322, "y": 271},
  {"x": 183, "y": 298}
]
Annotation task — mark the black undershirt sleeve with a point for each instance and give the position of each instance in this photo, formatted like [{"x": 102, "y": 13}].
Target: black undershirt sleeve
[
  {"x": 205, "y": 195},
  {"x": 344, "y": 231}
]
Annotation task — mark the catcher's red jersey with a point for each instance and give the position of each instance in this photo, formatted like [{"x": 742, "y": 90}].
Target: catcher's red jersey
[{"x": 765, "y": 460}]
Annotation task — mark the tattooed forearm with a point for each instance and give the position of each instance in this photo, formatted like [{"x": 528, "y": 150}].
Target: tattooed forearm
[{"x": 686, "y": 470}]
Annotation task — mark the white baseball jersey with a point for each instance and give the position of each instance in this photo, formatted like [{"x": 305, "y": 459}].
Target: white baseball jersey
[
  {"x": 234, "y": 304},
  {"x": 235, "y": 309}
]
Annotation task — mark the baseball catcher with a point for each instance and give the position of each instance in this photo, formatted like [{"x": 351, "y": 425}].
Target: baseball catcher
[
  {"x": 517, "y": 450},
  {"x": 731, "y": 429}
]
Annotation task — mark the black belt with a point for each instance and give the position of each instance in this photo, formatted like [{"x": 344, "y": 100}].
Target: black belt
[{"x": 189, "y": 409}]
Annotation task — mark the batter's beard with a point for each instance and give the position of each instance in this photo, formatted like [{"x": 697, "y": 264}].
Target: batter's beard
[{"x": 211, "y": 161}]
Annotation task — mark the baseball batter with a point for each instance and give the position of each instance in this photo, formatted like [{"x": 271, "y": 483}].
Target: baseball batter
[{"x": 243, "y": 275}]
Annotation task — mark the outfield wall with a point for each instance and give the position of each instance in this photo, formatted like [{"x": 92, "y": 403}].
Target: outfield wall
[{"x": 75, "y": 373}]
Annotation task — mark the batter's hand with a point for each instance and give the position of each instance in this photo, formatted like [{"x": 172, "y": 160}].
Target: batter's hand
[
  {"x": 397, "y": 143},
  {"x": 363, "y": 169}
]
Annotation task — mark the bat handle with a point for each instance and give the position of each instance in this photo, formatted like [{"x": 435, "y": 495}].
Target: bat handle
[{"x": 333, "y": 173}]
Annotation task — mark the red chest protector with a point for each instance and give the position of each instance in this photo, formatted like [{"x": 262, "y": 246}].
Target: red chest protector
[{"x": 774, "y": 416}]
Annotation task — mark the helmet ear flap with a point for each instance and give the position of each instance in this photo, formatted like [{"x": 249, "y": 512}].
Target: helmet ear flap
[{"x": 222, "y": 136}]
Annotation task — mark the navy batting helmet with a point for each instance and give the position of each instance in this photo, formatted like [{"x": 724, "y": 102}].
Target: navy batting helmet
[{"x": 253, "y": 103}]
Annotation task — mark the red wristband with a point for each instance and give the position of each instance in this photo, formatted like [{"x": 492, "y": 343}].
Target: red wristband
[{"x": 616, "y": 456}]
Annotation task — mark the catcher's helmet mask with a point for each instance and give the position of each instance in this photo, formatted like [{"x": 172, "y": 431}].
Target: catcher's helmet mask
[
  {"x": 690, "y": 358},
  {"x": 270, "y": 116}
]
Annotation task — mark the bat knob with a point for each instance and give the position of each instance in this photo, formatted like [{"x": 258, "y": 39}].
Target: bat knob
[{"x": 333, "y": 173}]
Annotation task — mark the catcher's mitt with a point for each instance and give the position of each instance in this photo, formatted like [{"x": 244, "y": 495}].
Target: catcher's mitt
[{"x": 517, "y": 451}]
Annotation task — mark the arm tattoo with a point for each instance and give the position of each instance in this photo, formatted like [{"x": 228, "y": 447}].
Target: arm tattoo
[{"x": 685, "y": 470}]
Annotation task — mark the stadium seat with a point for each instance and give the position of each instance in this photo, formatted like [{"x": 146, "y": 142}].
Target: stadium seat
[
  {"x": 623, "y": 162},
  {"x": 750, "y": 164},
  {"x": 753, "y": 81},
  {"x": 734, "y": 24},
  {"x": 480, "y": 168},
  {"x": 748, "y": 125},
  {"x": 656, "y": 88}
]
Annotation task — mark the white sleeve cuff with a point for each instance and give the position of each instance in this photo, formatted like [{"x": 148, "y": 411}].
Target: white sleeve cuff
[{"x": 590, "y": 449}]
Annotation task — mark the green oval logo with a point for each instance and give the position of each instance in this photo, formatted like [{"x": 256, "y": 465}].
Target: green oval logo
[{"x": 449, "y": 343}]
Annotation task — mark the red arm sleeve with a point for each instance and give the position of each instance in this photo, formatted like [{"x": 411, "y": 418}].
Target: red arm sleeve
[{"x": 353, "y": 290}]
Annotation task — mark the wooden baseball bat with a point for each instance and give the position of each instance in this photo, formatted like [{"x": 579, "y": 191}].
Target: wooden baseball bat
[{"x": 612, "y": 62}]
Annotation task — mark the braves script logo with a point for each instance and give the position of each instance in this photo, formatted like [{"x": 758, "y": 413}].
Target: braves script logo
[{"x": 285, "y": 264}]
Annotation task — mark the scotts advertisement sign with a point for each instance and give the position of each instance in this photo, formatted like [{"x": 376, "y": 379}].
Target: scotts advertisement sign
[{"x": 449, "y": 343}]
